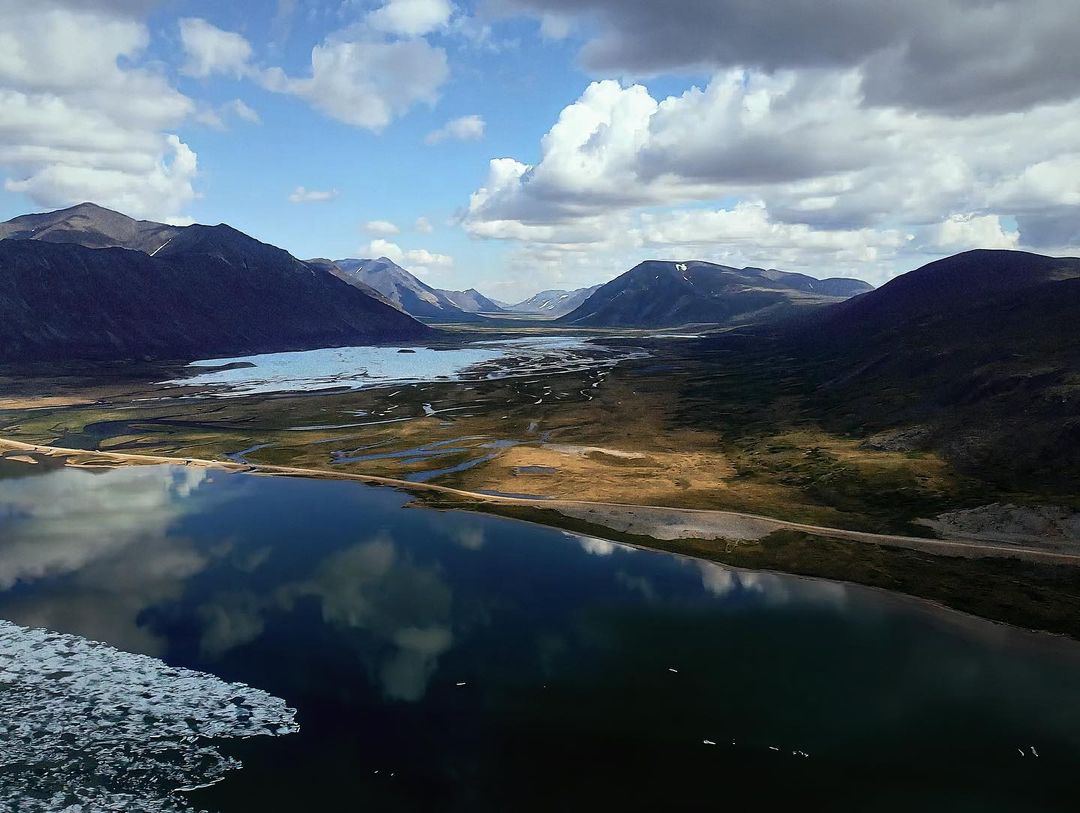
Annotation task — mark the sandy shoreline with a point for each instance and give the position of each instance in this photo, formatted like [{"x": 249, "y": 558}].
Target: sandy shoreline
[{"x": 657, "y": 522}]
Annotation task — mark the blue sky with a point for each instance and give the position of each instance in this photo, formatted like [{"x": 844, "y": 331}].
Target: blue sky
[{"x": 575, "y": 138}]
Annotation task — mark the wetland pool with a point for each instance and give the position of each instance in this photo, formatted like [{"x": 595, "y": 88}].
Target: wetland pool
[{"x": 450, "y": 661}]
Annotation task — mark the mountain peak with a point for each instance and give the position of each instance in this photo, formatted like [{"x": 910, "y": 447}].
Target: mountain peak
[
  {"x": 90, "y": 225},
  {"x": 669, "y": 293}
]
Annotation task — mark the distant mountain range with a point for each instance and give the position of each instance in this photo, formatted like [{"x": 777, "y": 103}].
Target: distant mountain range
[
  {"x": 405, "y": 291},
  {"x": 472, "y": 301},
  {"x": 90, "y": 283},
  {"x": 552, "y": 303},
  {"x": 671, "y": 294}
]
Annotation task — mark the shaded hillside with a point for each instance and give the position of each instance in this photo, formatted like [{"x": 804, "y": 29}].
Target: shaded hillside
[
  {"x": 668, "y": 294},
  {"x": 211, "y": 291},
  {"x": 92, "y": 226},
  {"x": 553, "y": 303},
  {"x": 404, "y": 290},
  {"x": 976, "y": 356},
  {"x": 955, "y": 285}
]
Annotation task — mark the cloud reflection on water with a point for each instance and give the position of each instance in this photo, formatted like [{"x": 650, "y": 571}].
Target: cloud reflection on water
[{"x": 106, "y": 534}]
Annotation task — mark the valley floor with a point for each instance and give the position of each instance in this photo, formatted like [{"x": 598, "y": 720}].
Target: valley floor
[{"x": 718, "y": 460}]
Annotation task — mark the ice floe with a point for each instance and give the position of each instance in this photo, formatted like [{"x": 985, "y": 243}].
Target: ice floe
[{"x": 86, "y": 727}]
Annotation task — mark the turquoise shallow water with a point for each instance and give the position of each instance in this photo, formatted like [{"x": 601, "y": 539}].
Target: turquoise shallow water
[{"x": 447, "y": 661}]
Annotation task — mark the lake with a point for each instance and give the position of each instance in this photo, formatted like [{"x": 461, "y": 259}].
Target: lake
[
  {"x": 360, "y": 367},
  {"x": 450, "y": 661}
]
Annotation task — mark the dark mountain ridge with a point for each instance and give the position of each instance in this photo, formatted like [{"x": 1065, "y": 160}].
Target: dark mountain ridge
[
  {"x": 670, "y": 294},
  {"x": 206, "y": 291}
]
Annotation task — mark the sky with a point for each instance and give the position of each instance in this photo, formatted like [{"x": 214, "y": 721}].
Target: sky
[{"x": 519, "y": 145}]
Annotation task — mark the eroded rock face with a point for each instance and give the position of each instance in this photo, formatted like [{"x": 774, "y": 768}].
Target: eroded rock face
[
  {"x": 1044, "y": 525},
  {"x": 85, "y": 727}
]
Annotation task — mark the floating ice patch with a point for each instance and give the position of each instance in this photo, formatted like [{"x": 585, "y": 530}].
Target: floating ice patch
[{"x": 85, "y": 727}]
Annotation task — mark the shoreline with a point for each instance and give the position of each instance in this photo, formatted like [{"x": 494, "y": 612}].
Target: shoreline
[{"x": 656, "y": 522}]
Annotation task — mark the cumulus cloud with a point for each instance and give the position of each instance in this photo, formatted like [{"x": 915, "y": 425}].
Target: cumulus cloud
[
  {"x": 83, "y": 118},
  {"x": 964, "y": 231},
  {"x": 211, "y": 50},
  {"x": 954, "y": 56},
  {"x": 381, "y": 227},
  {"x": 810, "y": 176},
  {"x": 411, "y": 18},
  {"x": 365, "y": 82},
  {"x": 747, "y": 229},
  {"x": 417, "y": 260},
  {"x": 303, "y": 195},
  {"x": 423, "y": 225},
  {"x": 357, "y": 76},
  {"x": 465, "y": 128}
]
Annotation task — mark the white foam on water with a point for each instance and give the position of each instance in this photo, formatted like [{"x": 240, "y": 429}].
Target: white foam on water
[{"x": 85, "y": 727}]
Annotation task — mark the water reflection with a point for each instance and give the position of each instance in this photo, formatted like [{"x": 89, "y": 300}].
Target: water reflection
[
  {"x": 769, "y": 588},
  {"x": 104, "y": 536},
  {"x": 376, "y": 589},
  {"x": 474, "y": 656}
]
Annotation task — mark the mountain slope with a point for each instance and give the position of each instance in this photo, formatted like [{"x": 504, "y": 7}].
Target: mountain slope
[
  {"x": 951, "y": 286},
  {"x": 405, "y": 291},
  {"x": 332, "y": 267},
  {"x": 554, "y": 303},
  {"x": 209, "y": 291},
  {"x": 92, "y": 226},
  {"x": 975, "y": 356},
  {"x": 668, "y": 294},
  {"x": 471, "y": 301}
]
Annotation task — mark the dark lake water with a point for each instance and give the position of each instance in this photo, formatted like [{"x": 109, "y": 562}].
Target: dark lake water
[{"x": 447, "y": 661}]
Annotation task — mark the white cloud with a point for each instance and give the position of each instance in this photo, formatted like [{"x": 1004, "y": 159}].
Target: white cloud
[
  {"x": 384, "y": 248},
  {"x": 381, "y": 227},
  {"x": 465, "y": 128},
  {"x": 357, "y": 76},
  {"x": 367, "y": 83},
  {"x": 83, "y": 119},
  {"x": 304, "y": 195},
  {"x": 423, "y": 225},
  {"x": 964, "y": 231},
  {"x": 211, "y": 50},
  {"x": 809, "y": 176},
  {"x": 218, "y": 117},
  {"x": 240, "y": 109},
  {"x": 411, "y": 18},
  {"x": 417, "y": 260},
  {"x": 428, "y": 261}
]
